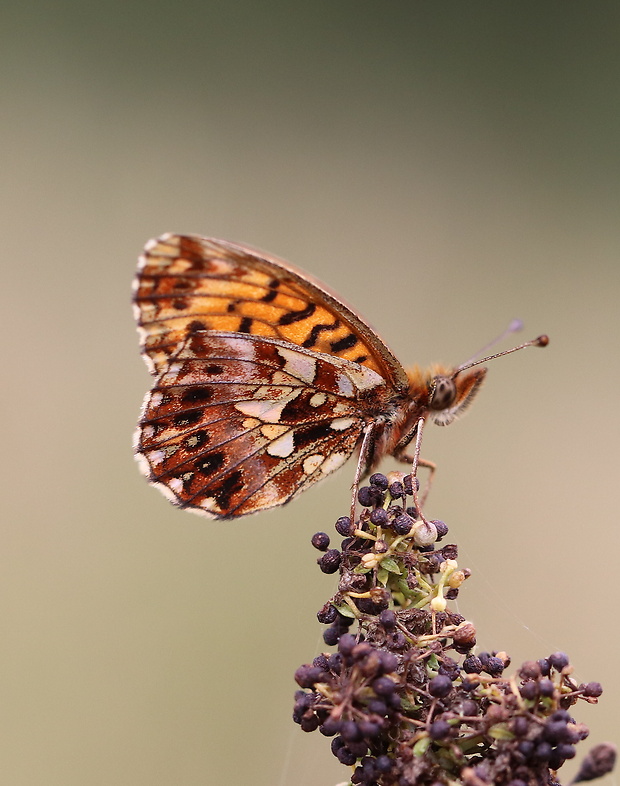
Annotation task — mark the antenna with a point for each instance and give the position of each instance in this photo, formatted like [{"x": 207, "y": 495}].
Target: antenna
[{"x": 514, "y": 327}]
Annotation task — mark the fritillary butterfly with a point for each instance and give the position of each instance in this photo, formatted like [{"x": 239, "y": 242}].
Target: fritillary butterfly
[{"x": 266, "y": 382}]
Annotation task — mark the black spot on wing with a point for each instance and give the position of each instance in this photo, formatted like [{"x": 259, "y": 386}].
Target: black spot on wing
[
  {"x": 245, "y": 326},
  {"x": 297, "y": 316},
  {"x": 346, "y": 342},
  {"x": 188, "y": 418},
  {"x": 197, "y": 394},
  {"x": 196, "y": 440},
  {"x": 196, "y": 325},
  {"x": 316, "y": 332},
  {"x": 184, "y": 283},
  {"x": 232, "y": 484},
  {"x": 306, "y": 436},
  {"x": 296, "y": 411},
  {"x": 273, "y": 291},
  {"x": 210, "y": 464}
]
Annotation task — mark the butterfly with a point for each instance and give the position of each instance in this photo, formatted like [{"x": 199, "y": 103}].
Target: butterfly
[{"x": 265, "y": 382}]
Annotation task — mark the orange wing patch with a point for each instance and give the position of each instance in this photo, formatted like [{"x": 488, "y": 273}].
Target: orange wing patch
[{"x": 187, "y": 284}]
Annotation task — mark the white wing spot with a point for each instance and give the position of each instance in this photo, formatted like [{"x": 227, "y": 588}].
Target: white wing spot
[
  {"x": 176, "y": 484},
  {"x": 298, "y": 365},
  {"x": 318, "y": 400},
  {"x": 282, "y": 378},
  {"x": 156, "y": 398},
  {"x": 345, "y": 386},
  {"x": 267, "y": 411},
  {"x": 156, "y": 457},
  {"x": 283, "y": 446},
  {"x": 333, "y": 462},
  {"x": 364, "y": 378},
  {"x": 209, "y": 504},
  {"x": 340, "y": 424},
  {"x": 273, "y": 431},
  {"x": 312, "y": 463}
]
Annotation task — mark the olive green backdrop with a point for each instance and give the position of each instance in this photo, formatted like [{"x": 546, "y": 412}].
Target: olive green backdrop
[{"x": 446, "y": 167}]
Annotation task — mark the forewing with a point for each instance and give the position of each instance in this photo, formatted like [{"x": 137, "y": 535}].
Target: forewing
[
  {"x": 187, "y": 283},
  {"x": 239, "y": 423}
]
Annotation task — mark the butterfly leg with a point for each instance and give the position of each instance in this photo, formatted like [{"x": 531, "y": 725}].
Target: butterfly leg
[
  {"x": 362, "y": 463},
  {"x": 431, "y": 466},
  {"x": 416, "y": 462}
]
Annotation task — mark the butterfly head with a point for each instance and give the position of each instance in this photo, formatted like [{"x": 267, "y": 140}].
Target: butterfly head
[
  {"x": 444, "y": 393},
  {"x": 449, "y": 394}
]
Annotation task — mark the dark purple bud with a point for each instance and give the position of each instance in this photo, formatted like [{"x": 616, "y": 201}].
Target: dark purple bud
[
  {"x": 379, "y": 517},
  {"x": 383, "y": 764},
  {"x": 389, "y": 661},
  {"x": 439, "y": 729},
  {"x": 309, "y": 723},
  {"x": 410, "y": 483},
  {"x": 330, "y": 561},
  {"x": 330, "y": 726},
  {"x": 346, "y": 756},
  {"x": 558, "y": 660},
  {"x": 526, "y": 749},
  {"x": 320, "y": 541},
  {"x": 396, "y": 489},
  {"x": 530, "y": 670},
  {"x": 402, "y": 524},
  {"x": 388, "y": 619},
  {"x": 384, "y": 686},
  {"x": 346, "y": 644},
  {"x": 598, "y": 762},
  {"x": 542, "y": 752},
  {"x": 350, "y": 732},
  {"x": 365, "y": 496},
  {"x": 566, "y": 751},
  {"x": 529, "y": 690},
  {"x": 545, "y": 666},
  {"x": 440, "y": 686},
  {"x": 472, "y": 665},
  {"x": 441, "y": 527},
  {"x": 377, "y": 707},
  {"x": 306, "y": 676},
  {"x": 546, "y": 687},
  {"x": 494, "y": 666},
  {"x": 343, "y": 526},
  {"x": 331, "y": 635},
  {"x": 321, "y": 662},
  {"x": 519, "y": 726},
  {"x": 369, "y": 729},
  {"x": 593, "y": 689}
]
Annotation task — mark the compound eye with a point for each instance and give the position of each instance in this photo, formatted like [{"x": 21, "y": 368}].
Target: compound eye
[{"x": 444, "y": 393}]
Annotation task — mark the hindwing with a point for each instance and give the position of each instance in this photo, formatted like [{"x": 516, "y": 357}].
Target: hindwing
[{"x": 238, "y": 423}]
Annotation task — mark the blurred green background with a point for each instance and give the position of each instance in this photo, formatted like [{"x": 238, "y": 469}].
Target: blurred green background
[{"x": 446, "y": 167}]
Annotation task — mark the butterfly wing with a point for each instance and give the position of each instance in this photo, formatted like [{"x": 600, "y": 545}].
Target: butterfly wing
[
  {"x": 240, "y": 423},
  {"x": 187, "y": 283}
]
